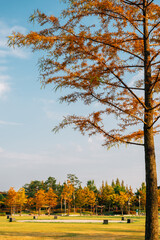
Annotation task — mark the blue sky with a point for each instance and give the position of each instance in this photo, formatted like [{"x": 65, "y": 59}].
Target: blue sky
[{"x": 29, "y": 150}]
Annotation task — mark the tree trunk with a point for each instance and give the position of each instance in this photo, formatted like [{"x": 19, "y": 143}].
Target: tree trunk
[
  {"x": 20, "y": 210},
  {"x": 151, "y": 188},
  {"x": 39, "y": 211},
  {"x": 151, "y": 232},
  {"x": 80, "y": 211},
  {"x": 68, "y": 208},
  {"x": 122, "y": 210},
  {"x": 65, "y": 205},
  {"x": 61, "y": 206},
  {"x": 49, "y": 211},
  {"x": 11, "y": 210}
]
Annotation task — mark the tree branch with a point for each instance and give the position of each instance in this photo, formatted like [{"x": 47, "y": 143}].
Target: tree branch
[
  {"x": 155, "y": 106},
  {"x": 100, "y": 130},
  {"x": 155, "y": 56},
  {"x": 120, "y": 109},
  {"x": 153, "y": 85},
  {"x": 132, "y": 88},
  {"x": 150, "y": 3},
  {"x": 154, "y": 121},
  {"x": 116, "y": 47},
  {"x": 153, "y": 28},
  {"x": 129, "y": 90},
  {"x": 133, "y": 3},
  {"x": 155, "y": 63}
]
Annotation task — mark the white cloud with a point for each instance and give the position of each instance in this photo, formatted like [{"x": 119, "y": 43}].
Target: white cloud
[
  {"x": 5, "y": 51},
  {"x": 9, "y": 123},
  {"x": 4, "y": 88}
]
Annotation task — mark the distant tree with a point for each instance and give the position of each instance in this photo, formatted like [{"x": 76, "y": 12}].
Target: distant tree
[
  {"x": 33, "y": 187},
  {"x": 74, "y": 180},
  {"x": 59, "y": 194},
  {"x": 118, "y": 182},
  {"x": 40, "y": 200},
  {"x": 50, "y": 183},
  {"x": 11, "y": 200},
  {"x": 90, "y": 197},
  {"x": 51, "y": 199},
  {"x": 81, "y": 199},
  {"x": 106, "y": 195},
  {"x": 30, "y": 202},
  {"x": 121, "y": 200},
  {"x": 91, "y": 185},
  {"x": 67, "y": 194},
  {"x": 119, "y": 187},
  {"x": 2, "y": 200},
  {"x": 141, "y": 196},
  {"x": 76, "y": 184},
  {"x": 21, "y": 199},
  {"x": 113, "y": 184},
  {"x": 131, "y": 196}
]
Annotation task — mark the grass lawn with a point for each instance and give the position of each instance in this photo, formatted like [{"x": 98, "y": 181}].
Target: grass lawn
[{"x": 67, "y": 231}]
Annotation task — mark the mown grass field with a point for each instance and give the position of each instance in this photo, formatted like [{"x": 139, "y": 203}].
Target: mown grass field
[{"x": 67, "y": 231}]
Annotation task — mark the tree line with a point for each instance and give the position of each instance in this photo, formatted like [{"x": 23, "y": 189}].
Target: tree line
[{"x": 53, "y": 197}]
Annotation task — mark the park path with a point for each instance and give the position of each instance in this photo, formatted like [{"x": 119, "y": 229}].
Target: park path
[{"x": 71, "y": 221}]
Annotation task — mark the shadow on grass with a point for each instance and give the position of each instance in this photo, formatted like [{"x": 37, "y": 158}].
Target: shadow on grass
[{"x": 67, "y": 236}]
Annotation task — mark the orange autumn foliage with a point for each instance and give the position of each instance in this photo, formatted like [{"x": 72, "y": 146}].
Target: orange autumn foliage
[
  {"x": 40, "y": 200},
  {"x": 51, "y": 199}
]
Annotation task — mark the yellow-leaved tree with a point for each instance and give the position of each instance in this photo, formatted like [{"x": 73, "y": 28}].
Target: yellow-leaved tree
[
  {"x": 40, "y": 200},
  {"x": 67, "y": 194},
  {"x": 21, "y": 199},
  {"x": 81, "y": 199},
  {"x": 11, "y": 200}
]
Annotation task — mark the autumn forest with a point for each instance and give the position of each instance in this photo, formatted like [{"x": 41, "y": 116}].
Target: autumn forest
[{"x": 49, "y": 197}]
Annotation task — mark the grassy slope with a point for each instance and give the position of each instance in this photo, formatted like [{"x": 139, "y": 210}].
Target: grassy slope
[{"x": 68, "y": 231}]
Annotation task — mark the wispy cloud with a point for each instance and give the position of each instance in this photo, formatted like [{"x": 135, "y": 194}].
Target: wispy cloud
[
  {"x": 9, "y": 123},
  {"x": 5, "y": 51}
]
